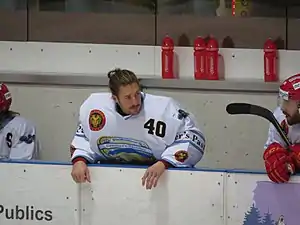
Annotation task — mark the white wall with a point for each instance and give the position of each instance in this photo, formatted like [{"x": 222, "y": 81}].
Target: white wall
[
  {"x": 181, "y": 197},
  {"x": 96, "y": 60}
]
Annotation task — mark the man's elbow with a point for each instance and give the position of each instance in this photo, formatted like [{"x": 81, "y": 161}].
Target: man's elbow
[
  {"x": 196, "y": 158},
  {"x": 197, "y": 152}
]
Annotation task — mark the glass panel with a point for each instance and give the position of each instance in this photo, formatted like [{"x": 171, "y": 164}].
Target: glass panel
[
  {"x": 93, "y": 21},
  {"x": 252, "y": 24},
  {"x": 134, "y": 22},
  {"x": 293, "y": 24},
  {"x": 13, "y": 20}
]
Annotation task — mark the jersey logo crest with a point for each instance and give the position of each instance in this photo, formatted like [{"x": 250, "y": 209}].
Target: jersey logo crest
[
  {"x": 182, "y": 114},
  {"x": 97, "y": 120},
  {"x": 28, "y": 139},
  {"x": 181, "y": 156},
  {"x": 125, "y": 150}
]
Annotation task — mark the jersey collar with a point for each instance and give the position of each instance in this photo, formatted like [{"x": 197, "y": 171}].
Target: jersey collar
[
  {"x": 127, "y": 116},
  {"x": 5, "y": 118}
]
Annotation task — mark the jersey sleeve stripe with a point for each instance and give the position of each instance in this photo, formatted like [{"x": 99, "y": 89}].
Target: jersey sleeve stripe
[
  {"x": 190, "y": 142},
  {"x": 199, "y": 134}
]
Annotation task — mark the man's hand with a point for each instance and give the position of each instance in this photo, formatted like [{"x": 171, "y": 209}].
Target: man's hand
[
  {"x": 279, "y": 164},
  {"x": 80, "y": 172},
  {"x": 152, "y": 175},
  {"x": 296, "y": 155}
]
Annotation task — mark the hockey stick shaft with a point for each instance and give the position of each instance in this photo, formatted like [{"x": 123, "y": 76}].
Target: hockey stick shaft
[{"x": 250, "y": 109}]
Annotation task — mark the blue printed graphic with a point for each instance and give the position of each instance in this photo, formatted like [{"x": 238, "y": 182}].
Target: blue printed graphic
[
  {"x": 274, "y": 204},
  {"x": 252, "y": 216},
  {"x": 28, "y": 139},
  {"x": 124, "y": 149}
]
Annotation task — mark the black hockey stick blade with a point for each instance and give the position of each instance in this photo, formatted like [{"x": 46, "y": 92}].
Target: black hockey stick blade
[{"x": 250, "y": 109}]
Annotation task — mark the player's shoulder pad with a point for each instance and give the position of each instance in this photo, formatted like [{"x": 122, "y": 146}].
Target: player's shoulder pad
[
  {"x": 170, "y": 105},
  {"x": 160, "y": 98},
  {"x": 23, "y": 123},
  {"x": 24, "y": 129},
  {"x": 150, "y": 99},
  {"x": 179, "y": 112},
  {"x": 94, "y": 98}
]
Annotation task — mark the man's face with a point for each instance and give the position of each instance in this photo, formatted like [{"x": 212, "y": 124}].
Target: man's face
[
  {"x": 291, "y": 111},
  {"x": 129, "y": 99}
]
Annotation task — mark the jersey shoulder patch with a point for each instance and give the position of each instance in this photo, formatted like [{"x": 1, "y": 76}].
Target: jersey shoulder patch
[
  {"x": 97, "y": 120},
  {"x": 27, "y": 138},
  {"x": 182, "y": 114}
]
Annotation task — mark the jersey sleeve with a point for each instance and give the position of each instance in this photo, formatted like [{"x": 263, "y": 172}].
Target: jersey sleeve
[
  {"x": 273, "y": 135},
  {"x": 189, "y": 144},
  {"x": 80, "y": 145},
  {"x": 24, "y": 142}
]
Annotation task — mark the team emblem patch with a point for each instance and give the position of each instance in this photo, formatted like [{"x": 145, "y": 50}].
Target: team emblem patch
[
  {"x": 97, "y": 120},
  {"x": 181, "y": 156},
  {"x": 182, "y": 114}
]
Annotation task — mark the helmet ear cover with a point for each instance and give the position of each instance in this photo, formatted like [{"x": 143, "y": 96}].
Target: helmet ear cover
[{"x": 5, "y": 98}]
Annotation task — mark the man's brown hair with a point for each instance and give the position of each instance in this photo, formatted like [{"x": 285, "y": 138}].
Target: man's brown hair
[{"x": 119, "y": 77}]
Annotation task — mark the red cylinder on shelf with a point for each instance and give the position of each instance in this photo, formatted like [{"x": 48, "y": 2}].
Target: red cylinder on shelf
[
  {"x": 212, "y": 59},
  {"x": 167, "y": 57},
  {"x": 199, "y": 59},
  {"x": 270, "y": 61},
  {"x": 233, "y": 4}
]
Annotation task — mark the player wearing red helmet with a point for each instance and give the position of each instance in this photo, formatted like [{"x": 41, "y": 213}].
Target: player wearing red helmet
[
  {"x": 17, "y": 135},
  {"x": 279, "y": 163}
]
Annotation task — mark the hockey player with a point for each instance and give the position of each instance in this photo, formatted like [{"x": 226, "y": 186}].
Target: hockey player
[
  {"x": 279, "y": 163},
  {"x": 128, "y": 126},
  {"x": 17, "y": 135}
]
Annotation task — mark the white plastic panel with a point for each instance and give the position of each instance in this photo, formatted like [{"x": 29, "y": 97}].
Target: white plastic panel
[
  {"x": 37, "y": 194},
  {"x": 182, "y": 197},
  {"x": 253, "y": 198}
]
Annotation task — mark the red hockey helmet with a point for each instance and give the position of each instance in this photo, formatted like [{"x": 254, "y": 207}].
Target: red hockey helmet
[
  {"x": 5, "y": 98},
  {"x": 290, "y": 88}
]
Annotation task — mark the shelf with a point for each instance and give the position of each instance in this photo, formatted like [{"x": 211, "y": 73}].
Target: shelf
[{"x": 148, "y": 82}]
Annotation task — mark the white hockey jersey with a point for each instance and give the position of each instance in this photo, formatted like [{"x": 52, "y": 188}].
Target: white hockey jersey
[
  {"x": 293, "y": 132},
  {"x": 18, "y": 139},
  {"x": 162, "y": 130}
]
